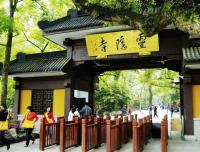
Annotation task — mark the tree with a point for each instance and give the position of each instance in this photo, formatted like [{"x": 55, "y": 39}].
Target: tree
[
  {"x": 8, "y": 45},
  {"x": 19, "y": 31},
  {"x": 148, "y": 16},
  {"x": 111, "y": 93}
]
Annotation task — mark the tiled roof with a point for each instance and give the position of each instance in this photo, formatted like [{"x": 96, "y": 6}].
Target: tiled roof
[
  {"x": 191, "y": 54},
  {"x": 79, "y": 22},
  {"x": 41, "y": 62}
]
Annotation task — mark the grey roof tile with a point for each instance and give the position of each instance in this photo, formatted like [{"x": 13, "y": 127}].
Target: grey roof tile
[
  {"x": 191, "y": 54},
  {"x": 70, "y": 24},
  {"x": 41, "y": 62}
]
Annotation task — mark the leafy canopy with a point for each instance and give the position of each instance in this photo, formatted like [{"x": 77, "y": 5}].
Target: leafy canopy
[{"x": 148, "y": 16}]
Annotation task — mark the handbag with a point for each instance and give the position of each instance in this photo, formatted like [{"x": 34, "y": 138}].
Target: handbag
[
  {"x": 3, "y": 125},
  {"x": 27, "y": 123}
]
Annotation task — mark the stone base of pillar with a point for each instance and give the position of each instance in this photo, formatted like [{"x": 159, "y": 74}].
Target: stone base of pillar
[{"x": 197, "y": 128}]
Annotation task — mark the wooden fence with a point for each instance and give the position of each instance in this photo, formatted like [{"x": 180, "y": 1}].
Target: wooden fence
[
  {"x": 49, "y": 134},
  {"x": 141, "y": 133},
  {"x": 91, "y": 135},
  {"x": 164, "y": 134},
  {"x": 69, "y": 133}
]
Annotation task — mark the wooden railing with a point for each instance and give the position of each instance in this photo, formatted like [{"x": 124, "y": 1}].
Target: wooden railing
[
  {"x": 103, "y": 128},
  {"x": 141, "y": 133},
  {"x": 69, "y": 133},
  {"x": 90, "y": 134},
  {"x": 124, "y": 131},
  {"x": 113, "y": 135},
  {"x": 49, "y": 134},
  {"x": 164, "y": 134}
]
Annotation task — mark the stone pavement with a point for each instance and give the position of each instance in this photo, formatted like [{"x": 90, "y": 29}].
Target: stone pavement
[{"x": 152, "y": 146}]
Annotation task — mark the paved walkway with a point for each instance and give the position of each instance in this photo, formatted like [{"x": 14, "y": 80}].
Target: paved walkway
[{"x": 152, "y": 146}]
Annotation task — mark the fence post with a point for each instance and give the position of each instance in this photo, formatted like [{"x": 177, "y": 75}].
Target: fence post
[
  {"x": 140, "y": 137},
  {"x": 97, "y": 121},
  {"x": 42, "y": 134},
  {"x": 135, "y": 136},
  {"x": 58, "y": 132},
  {"x": 84, "y": 135},
  {"x": 163, "y": 136},
  {"x": 78, "y": 133},
  {"x": 145, "y": 130},
  {"x": 62, "y": 134},
  {"x": 126, "y": 131},
  {"x": 108, "y": 135},
  {"x": 119, "y": 137}
]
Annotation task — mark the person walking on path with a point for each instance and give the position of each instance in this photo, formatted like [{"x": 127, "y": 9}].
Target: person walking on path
[
  {"x": 172, "y": 111},
  {"x": 86, "y": 110},
  {"x": 155, "y": 112},
  {"x": 4, "y": 125},
  {"x": 28, "y": 123},
  {"x": 48, "y": 116}
]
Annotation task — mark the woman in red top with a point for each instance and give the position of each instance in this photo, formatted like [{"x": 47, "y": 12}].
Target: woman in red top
[
  {"x": 48, "y": 116},
  {"x": 28, "y": 122}
]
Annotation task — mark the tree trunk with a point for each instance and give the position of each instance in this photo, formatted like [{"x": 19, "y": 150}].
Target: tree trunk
[
  {"x": 4, "y": 81},
  {"x": 150, "y": 95}
]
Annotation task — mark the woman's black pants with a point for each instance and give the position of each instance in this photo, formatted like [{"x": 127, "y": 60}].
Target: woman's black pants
[
  {"x": 29, "y": 135},
  {"x": 3, "y": 139}
]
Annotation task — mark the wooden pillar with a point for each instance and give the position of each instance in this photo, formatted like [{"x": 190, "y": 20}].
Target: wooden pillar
[
  {"x": 62, "y": 135},
  {"x": 84, "y": 135},
  {"x": 42, "y": 134},
  {"x": 188, "y": 107},
  {"x": 68, "y": 98},
  {"x": 16, "y": 108}
]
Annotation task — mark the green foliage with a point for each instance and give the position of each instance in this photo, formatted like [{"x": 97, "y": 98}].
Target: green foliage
[
  {"x": 111, "y": 94},
  {"x": 27, "y": 15},
  {"x": 138, "y": 87},
  {"x": 147, "y": 16}
]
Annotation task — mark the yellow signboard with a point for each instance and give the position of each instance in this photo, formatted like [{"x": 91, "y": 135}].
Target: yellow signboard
[{"x": 124, "y": 42}]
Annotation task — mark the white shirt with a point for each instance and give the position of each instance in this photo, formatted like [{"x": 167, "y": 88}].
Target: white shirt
[{"x": 70, "y": 116}]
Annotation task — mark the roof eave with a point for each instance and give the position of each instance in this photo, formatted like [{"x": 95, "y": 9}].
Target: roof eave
[{"x": 37, "y": 74}]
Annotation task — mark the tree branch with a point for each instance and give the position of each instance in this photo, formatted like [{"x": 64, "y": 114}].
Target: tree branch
[
  {"x": 2, "y": 44},
  {"x": 41, "y": 49},
  {"x": 45, "y": 47},
  {"x": 32, "y": 42}
]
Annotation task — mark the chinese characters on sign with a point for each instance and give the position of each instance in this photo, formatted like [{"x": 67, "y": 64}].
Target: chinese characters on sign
[
  {"x": 141, "y": 40},
  {"x": 103, "y": 45},
  {"x": 120, "y": 43},
  {"x": 125, "y": 42}
]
